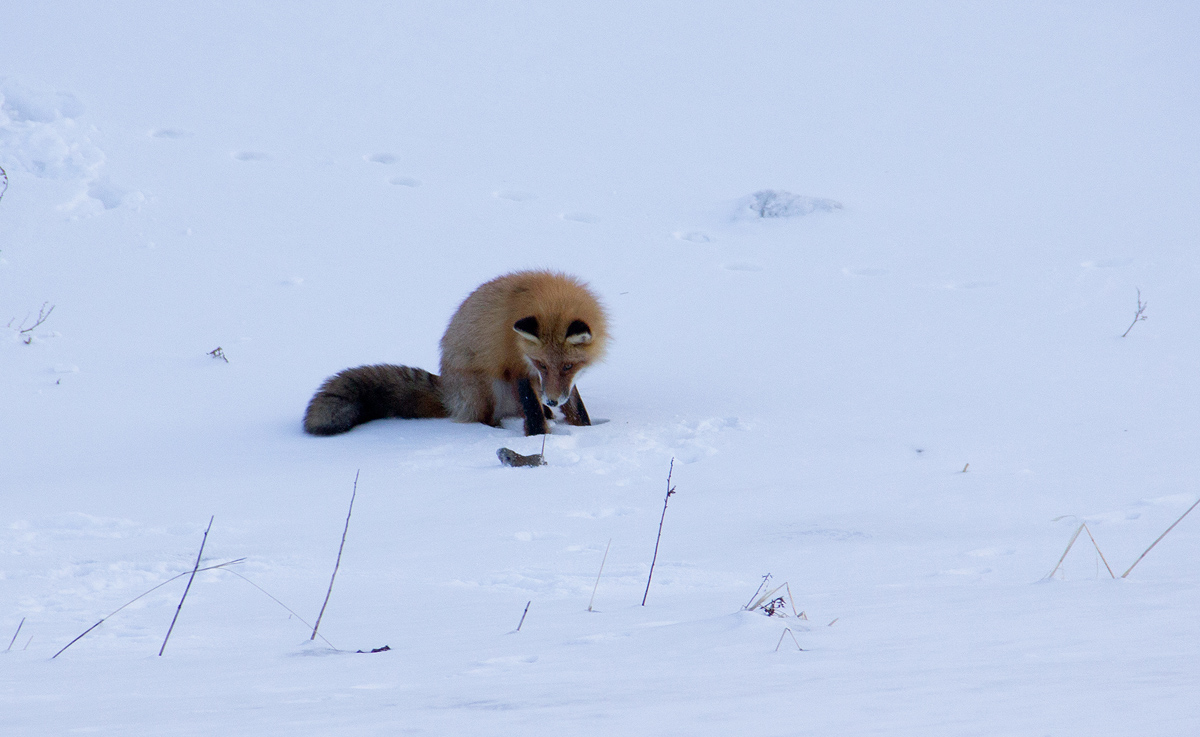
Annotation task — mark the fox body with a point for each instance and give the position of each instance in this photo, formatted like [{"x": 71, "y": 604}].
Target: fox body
[{"x": 513, "y": 348}]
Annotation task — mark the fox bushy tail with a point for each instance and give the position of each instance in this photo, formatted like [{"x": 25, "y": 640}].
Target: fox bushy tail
[{"x": 366, "y": 393}]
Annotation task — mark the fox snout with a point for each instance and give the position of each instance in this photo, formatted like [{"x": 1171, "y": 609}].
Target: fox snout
[{"x": 550, "y": 401}]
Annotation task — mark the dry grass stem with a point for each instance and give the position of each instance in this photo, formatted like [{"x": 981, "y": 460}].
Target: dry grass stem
[
  {"x": 1160, "y": 537},
  {"x": 280, "y": 603},
  {"x": 14, "y": 637},
  {"x": 187, "y": 588},
  {"x": 791, "y": 600},
  {"x": 1063, "y": 557},
  {"x": 1098, "y": 550},
  {"x": 518, "y": 629},
  {"x": 337, "y": 563},
  {"x": 755, "y": 596},
  {"x": 602, "y": 561},
  {"x": 788, "y": 631},
  {"x": 144, "y": 593},
  {"x": 666, "y": 499}
]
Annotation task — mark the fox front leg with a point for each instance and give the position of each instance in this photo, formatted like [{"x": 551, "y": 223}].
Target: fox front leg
[
  {"x": 531, "y": 406},
  {"x": 574, "y": 411}
]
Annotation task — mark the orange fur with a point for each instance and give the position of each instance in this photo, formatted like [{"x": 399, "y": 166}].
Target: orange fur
[
  {"x": 483, "y": 356},
  {"x": 543, "y": 326}
]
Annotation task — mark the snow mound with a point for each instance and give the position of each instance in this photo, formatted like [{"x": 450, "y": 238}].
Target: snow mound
[
  {"x": 41, "y": 132},
  {"x": 777, "y": 203},
  {"x": 44, "y": 134}
]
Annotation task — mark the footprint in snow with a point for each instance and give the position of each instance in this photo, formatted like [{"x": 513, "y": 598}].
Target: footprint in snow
[
  {"x": 693, "y": 236},
  {"x": 383, "y": 158},
  {"x": 580, "y": 217},
  {"x": 1107, "y": 263},
  {"x": 868, "y": 271},
  {"x": 251, "y": 156},
  {"x": 970, "y": 285},
  {"x": 169, "y": 133},
  {"x": 513, "y": 195}
]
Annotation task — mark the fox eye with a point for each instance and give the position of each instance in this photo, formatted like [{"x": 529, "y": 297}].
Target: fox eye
[
  {"x": 567, "y": 367},
  {"x": 540, "y": 366}
]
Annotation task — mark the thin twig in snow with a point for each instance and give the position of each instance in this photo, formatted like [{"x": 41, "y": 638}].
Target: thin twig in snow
[
  {"x": 27, "y": 332},
  {"x": 1137, "y": 316},
  {"x": 144, "y": 593},
  {"x": 790, "y": 599},
  {"x": 755, "y": 596},
  {"x": 14, "y": 639},
  {"x": 788, "y": 631},
  {"x": 1064, "y": 555},
  {"x": 1096, "y": 545},
  {"x": 602, "y": 560},
  {"x": 667, "y": 498},
  {"x": 280, "y": 603},
  {"x": 346, "y": 529},
  {"x": 1160, "y": 537},
  {"x": 518, "y": 629},
  {"x": 187, "y": 588}
]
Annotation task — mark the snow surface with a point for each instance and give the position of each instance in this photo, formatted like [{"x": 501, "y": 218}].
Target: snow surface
[{"x": 317, "y": 185}]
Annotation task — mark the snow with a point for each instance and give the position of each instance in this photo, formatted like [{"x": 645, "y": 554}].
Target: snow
[{"x": 903, "y": 407}]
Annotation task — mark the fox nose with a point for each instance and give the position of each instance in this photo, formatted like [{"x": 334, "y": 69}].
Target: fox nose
[{"x": 552, "y": 402}]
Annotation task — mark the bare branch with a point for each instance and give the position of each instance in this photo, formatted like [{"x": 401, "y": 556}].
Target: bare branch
[
  {"x": 1137, "y": 316},
  {"x": 667, "y": 498}
]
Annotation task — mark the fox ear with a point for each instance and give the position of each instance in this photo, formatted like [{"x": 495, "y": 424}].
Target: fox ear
[
  {"x": 578, "y": 333},
  {"x": 527, "y": 328}
]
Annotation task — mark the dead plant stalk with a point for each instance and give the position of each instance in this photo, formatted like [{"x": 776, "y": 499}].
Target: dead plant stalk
[
  {"x": 1160, "y": 537},
  {"x": 338, "y": 562},
  {"x": 657, "y": 540},
  {"x": 187, "y": 588}
]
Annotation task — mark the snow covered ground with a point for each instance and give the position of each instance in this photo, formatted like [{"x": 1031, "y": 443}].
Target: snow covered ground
[{"x": 902, "y": 398}]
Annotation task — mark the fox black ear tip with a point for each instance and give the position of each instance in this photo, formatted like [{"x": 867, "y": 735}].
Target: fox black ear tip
[{"x": 527, "y": 327}]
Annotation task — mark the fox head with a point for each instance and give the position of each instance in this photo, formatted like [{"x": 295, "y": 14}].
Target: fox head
[{"x": 556, "y": 356}]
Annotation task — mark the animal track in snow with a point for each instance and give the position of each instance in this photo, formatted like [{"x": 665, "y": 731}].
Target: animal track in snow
[
  {"x": 989, "y": 552},
  {"x": 111, "y": 195},
  {"x": 970, "y": 285},
  {"x": 580, "y": 217},
  {"x": 513, "y": 195},
  {"x": 1107, "y": 263},
  {"x": 169, "y": 133},
  {"x": 384, "y": 158},
  {"x": 251, "y": 156},
  {"x": 405, "y": 181}
]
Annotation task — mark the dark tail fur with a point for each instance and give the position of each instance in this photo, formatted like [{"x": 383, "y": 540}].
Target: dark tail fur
[{"x": 367, "y": 393}]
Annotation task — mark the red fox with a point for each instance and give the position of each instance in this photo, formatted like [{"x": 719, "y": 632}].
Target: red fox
[{"x": 513, "y": 348}]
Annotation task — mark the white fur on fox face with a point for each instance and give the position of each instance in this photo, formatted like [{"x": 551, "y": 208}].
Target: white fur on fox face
[{"x": 546, "y": 399}]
